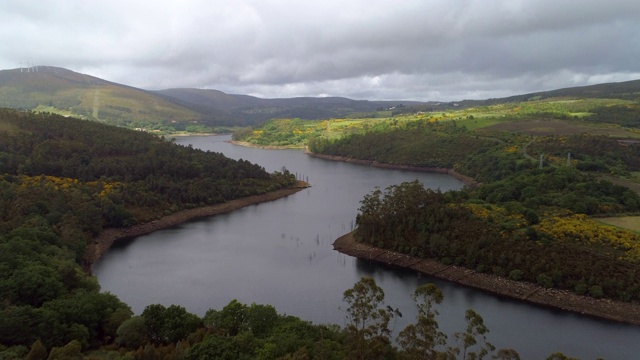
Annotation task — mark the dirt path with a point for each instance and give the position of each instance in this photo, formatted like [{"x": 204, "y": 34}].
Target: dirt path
[
  {"x": 108, "y": 237},
  {"x": 560, "y": 299}
]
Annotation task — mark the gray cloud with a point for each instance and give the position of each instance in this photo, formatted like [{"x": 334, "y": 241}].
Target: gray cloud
[{"x": 375, "y": 49}]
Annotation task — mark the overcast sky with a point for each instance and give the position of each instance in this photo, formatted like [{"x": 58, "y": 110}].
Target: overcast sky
[{"x": 362, "y": 49}]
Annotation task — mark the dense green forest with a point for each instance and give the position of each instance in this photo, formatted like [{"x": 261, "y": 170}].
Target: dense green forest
[
  {"x": 240, "y": 331},
  {"x": 62, "y": 181},
  {"x": 417, "y": 143},
  {"x": 507, "y": 239}
]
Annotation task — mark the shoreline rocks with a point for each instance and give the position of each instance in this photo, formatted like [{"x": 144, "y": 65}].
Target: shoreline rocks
[
  {"x": 517, "y": 290},
  {"x": 108, "y": 237},
  {"x": 465, "y": 179}
]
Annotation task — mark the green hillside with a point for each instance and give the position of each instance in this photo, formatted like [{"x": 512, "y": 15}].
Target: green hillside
[
  {"x": 605, "y": 109},
  {"x": 63, "y": 181},
  {"x": 65, "y": 92},
  {"x": 253, "y": 110}
]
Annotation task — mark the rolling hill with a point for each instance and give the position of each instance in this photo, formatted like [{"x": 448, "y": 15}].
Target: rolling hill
[
  {"x": 255, "y": 110},
  {"x": 627, "y": 90},
  {"x": 62, "y": 91},
  {"x": 66, "y": 92}
]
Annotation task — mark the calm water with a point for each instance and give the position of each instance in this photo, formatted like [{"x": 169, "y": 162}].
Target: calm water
[{"x": 280, "y": 253}]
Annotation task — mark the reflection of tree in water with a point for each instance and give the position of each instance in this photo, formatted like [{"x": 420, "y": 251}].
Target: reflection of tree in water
[{"x": 370, "y": 268}]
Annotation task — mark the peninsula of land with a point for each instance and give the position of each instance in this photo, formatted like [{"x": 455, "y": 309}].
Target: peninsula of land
[
  {"x": 469, "y": 181},
  {"x": 560, "y": 299},
  {"x": 109, "y": 236}
]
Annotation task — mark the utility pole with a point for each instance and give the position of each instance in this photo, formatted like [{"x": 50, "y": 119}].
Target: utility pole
[{"x": 568, "y": 159}]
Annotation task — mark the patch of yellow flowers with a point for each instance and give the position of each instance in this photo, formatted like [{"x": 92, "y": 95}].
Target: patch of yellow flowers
[
  {"x": 579, "y": 228},
  {"x": 104, "y": 188}
]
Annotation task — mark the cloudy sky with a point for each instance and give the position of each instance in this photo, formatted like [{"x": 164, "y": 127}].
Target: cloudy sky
[{"x": 362, "y": 49}]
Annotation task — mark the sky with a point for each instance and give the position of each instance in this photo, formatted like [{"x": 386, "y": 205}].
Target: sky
[{"x": 440, "y": 50}]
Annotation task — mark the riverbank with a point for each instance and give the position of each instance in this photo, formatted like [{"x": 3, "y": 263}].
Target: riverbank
[
  {"x": 469, "y": 181},
  {"x": 268, "y": 147},
  {"x": 108, "y": 237},
  {"x": 559, "y": 299}
]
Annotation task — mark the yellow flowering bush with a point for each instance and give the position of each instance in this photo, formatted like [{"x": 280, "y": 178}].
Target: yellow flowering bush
[
  {"x": 103, "y": 188},
  {"x": 580, "y": 229}
]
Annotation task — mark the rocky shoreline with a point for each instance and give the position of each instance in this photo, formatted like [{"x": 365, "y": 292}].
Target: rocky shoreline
[
  {"x": 268, "y": 147},
  {"x": 108, "y": 237},
  {"x": 528, "y": 292},
  {"x": 469, "y": 181}
]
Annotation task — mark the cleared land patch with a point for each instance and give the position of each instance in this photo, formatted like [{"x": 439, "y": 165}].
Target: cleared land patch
[
  {"x": 556, "y": 127},
  {"x": 627, "y": 222}
]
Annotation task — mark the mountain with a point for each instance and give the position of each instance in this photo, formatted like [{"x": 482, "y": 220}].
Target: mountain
[
  {"x": 627, "y": 90},
  {"x": 253, "y": 109},
  {"x": 63, "y": 91},
  {"x": 58, "y": 90}
]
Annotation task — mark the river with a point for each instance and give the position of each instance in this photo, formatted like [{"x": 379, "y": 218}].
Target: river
[{"x": 280, "y": 253}]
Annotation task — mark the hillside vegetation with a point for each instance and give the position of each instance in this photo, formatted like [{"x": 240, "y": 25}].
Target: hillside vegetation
[
  {"x": 544, "y": 167},
  {"x": 61, "y": 91},
  {"x": 62, "y": 181}
]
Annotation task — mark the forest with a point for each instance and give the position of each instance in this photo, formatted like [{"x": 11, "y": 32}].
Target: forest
[
  {"x": 103, "y": 328},
  {"x": 64, "y": 180}
]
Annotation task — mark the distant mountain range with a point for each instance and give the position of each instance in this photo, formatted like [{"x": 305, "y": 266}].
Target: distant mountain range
[{"x": 59, "y": 90}]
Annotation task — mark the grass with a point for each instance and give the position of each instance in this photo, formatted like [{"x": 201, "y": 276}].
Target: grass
[
  {"x": 480, "y": 123},
  {"x": 559, "y": 127},
  {"x": 626, "y": 222},
  {"x": 53, "y": 110}
]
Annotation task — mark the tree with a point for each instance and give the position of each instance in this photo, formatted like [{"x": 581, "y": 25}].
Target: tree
[
  {"x": 37, "y": 351},
  {"x": 169, "y": 325},
  {"x": 421, "y": 340},
  {"x": 507, "y": 354},
  {"x": 367, "y": 331},
  {"x": 261, "y": 319},
  {"x": 232, "y": 318},
  {"x": 217, "y": 347},
  {"x": 153, "y": 316},
  {"x": 559, "y": 356},
  {"x": 35, "y": 284},
  {"x": 132, "y": 333},
  {"x": 70, "y": 351},
  {"x": 476, "y": 330},
  {"x": 179, "y": 323}
]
